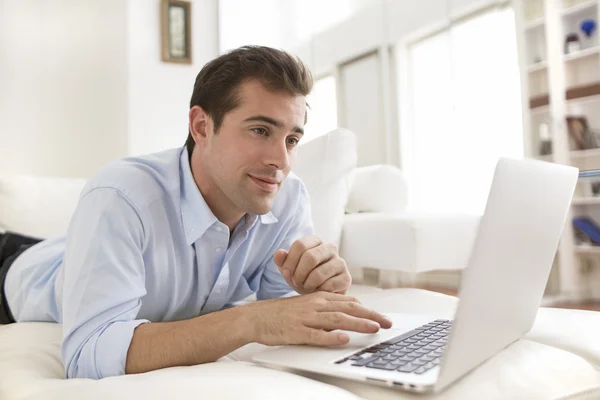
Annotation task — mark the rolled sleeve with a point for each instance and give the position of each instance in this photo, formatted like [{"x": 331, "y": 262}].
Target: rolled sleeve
[
  {"x": 104, "y": 282},
  {"x": 273, "y": 284}
]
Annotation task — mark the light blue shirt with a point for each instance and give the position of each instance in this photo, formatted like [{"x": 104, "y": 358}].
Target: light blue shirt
[{"x": 144, "y": 246}]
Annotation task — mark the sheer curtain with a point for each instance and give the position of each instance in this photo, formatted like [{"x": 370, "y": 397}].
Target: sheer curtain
[{"x": 465, "y": 113}]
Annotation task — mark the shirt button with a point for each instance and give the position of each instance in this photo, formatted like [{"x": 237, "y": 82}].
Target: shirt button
[
  {"x": 218, "y": 291},
  {"x": 219, "y": 229},
  {"x": 218, "y": 249}
]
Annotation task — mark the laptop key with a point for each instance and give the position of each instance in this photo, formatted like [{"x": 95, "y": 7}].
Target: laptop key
[
  {"x": 418, "y": 362},
  {"x": 428, "y": 366},
  {"x": 365, "y": 361},
  {"x": 387, "y": 351},
  {"x": 408, "y": 367},
  {"x": 419, "y": 370},
  {"x": 401, "y": 337},
  {"x": 399, "y": 362},
  {"x": 388, "y": 367}
]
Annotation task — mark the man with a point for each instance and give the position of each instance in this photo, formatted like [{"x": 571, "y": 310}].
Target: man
[{"x": 161, "y": 246}]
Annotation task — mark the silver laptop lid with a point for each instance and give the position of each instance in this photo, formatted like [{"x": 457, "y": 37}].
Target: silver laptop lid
[{"x": 503, "y": 285}]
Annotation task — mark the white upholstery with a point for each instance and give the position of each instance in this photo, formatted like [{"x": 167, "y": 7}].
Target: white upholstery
[
  {"x": 558, "y": 358},
  {"x": 325, "y": 165},
  {"x": 378, "y": 188},
  {"x": 408, "y": 242},
  {"x": 37, "y": 206}
]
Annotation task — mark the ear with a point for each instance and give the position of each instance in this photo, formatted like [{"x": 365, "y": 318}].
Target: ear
[{"x": 200, "y": 124}]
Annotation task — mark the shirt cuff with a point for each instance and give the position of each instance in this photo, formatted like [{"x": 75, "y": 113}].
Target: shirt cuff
[{"x": 112, "y": 347}]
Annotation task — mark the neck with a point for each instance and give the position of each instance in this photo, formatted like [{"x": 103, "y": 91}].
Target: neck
[{"x": 219, "y": 204}]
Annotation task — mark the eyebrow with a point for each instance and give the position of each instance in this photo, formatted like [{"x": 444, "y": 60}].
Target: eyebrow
[{"x": 271, "y": 121}]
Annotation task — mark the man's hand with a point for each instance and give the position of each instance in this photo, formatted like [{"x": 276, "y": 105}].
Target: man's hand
[
  {"x": 312, "y": 265},
  {"x": 309, "y": 319}
]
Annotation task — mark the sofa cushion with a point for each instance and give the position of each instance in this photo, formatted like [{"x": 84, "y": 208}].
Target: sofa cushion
[
  {"x": 37, "y": 206},
  {"x": 30, "y": 368},
  {"x": 536, "y": 367},
  {"x": 408, "y": 242},
  {"x": 377, "y": 188},
  {"x": 325, "y": 165}
]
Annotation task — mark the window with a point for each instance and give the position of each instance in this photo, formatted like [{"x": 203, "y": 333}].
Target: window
[
  {"x": 464, "y": 90},
  {"x": 322, "y": 114}
]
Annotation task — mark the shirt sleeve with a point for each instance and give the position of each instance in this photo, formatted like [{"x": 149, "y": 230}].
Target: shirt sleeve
[
  {"x": 103, "y": 283},
  {"x": 273, "y": 284}
]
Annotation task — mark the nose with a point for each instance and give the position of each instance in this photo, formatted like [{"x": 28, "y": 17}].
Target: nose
[{"x": 277, "y": 154}]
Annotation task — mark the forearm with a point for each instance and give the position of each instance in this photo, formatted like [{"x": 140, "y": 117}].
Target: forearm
[{"x": 195, "y": 341}]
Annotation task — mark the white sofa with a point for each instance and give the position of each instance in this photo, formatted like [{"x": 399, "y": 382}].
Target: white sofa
[{"x": 363, "y": 211}]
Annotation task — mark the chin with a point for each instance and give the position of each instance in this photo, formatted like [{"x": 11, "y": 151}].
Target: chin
[{"x": 261, "y": 209}]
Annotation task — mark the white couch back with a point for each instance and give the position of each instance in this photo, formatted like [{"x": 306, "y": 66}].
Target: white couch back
[
  {"x": 42, "y": 206},
  {"x": 37, "y": 206},
  {"x": 325, "y": 165}
]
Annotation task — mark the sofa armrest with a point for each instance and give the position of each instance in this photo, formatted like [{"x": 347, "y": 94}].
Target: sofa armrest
[{"x": 377, "y": 188}]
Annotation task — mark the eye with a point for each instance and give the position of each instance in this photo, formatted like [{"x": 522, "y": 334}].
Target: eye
[
  {"x": 293, "y": 141},
  {"x": 260, "y": 131}
]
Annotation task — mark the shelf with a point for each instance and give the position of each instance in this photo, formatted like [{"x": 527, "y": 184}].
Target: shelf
[
  {"x": 535, "y": 23},
  {"x": 582, "y": 54},
  {"x": 573, "y": 93},
  {"x": 584, "y": 201},
  {"x": 547, "y": 157},
  {"x": 579, "y": 154},
  {"x": 578, "y": 55},
  {"x": 587, "y": 249},
  {"x": 539, "y": 66},
  {"x": 566, "y": 13},
  {"x": 576, "y": 9}
]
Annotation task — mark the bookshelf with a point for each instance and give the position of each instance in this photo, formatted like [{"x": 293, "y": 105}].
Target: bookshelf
[{"x": 561, "y": 90}]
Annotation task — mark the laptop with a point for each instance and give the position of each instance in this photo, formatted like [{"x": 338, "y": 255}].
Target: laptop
[{"x": 501, "y": 290}]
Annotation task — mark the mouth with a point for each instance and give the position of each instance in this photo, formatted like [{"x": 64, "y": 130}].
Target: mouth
[{"x": 266, "y": 184}]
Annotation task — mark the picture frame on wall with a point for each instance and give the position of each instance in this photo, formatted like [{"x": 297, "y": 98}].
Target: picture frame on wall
[{"x": 176, "y": 31}]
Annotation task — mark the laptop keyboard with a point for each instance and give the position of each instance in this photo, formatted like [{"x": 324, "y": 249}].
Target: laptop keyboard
[{"x": 415, "y": 352}]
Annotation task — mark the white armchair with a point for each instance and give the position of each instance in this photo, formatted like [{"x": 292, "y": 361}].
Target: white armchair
[{"x": 378, "y": 232}]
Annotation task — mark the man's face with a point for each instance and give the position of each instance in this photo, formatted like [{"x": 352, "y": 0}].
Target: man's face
[{"x": 246, "y": 162}]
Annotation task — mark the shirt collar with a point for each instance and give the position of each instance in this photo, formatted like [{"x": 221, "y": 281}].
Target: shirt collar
[{"x": 196, "y": 216}]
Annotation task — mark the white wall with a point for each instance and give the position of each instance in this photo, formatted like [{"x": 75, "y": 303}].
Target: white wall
[
  {"x": 159, "y": 93},
  {"x": 64, "y": 96},
  {"x": 82, "y": 82}
]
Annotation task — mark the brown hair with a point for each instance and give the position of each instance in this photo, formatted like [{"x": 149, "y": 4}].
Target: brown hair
[{"x": 217, "y": 83}]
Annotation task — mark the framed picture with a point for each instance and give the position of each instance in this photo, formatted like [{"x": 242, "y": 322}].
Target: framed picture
[{"x": 176, "y": 31}]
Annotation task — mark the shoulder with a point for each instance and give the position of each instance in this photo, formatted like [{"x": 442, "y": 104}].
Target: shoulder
[{"x": 141, "y": 179}]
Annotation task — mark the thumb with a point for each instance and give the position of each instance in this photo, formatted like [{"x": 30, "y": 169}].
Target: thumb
[{"x": 279, "y": 257}]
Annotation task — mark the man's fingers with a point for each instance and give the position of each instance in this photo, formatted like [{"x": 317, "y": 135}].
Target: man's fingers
[
  {"x": 318, "y": 337},
  {"x": 311, "y": 259},
  {"x": 324, "y": 273},
  {"x": 297, "y": 249},
  {"x": 338, "y": 284},
  {"x": 279, "y": 257},
  {"x": 340, "y": 320},
  {"x": 359, "y": 311}
]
